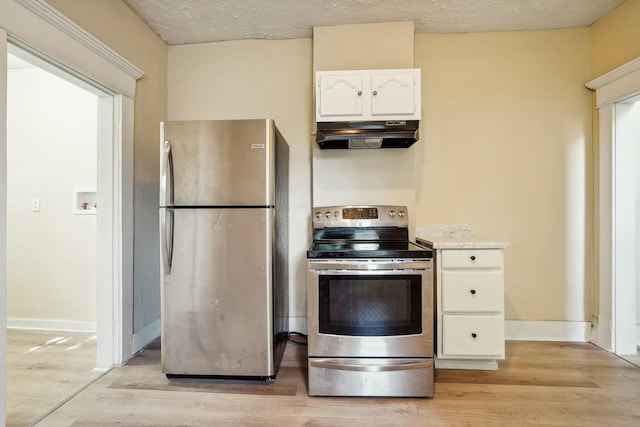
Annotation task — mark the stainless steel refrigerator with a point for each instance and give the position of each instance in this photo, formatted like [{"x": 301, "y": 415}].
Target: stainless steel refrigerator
[{"x": 224, "y": 248}]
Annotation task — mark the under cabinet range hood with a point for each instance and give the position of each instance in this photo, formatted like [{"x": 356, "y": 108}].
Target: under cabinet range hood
[{"x": 369, "y": 134}]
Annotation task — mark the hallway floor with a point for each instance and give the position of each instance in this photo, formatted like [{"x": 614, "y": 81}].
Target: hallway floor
[
  {"x": 44, "y": 368},
  {"x": 633, "y": 358},
  {"x": 539, "y": 383}
]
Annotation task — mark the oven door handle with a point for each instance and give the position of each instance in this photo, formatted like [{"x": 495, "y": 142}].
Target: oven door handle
[
  {"x": 396, "y": 366},
  {"x": 369, "y": 266}
]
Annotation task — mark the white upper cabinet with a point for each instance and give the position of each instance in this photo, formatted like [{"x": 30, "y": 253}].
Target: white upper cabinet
[
  {"x": 368, "y": 95},
  {"x": 339, "y": 95}
]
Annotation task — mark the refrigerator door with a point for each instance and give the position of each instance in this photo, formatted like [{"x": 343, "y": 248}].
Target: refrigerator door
[
  {"x": 217, "y": 298},
  {"x": 217, "y": 162}
]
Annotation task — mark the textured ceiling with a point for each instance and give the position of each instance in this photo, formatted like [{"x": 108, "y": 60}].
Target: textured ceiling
[{"x": 199, "y": 21}]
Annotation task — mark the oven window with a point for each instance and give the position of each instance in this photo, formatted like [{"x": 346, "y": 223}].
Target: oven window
[{"x": 359, "y": 305}]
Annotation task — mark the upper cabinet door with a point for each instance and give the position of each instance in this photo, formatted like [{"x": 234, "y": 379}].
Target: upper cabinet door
[
  {"x": 362, "y": 95},
  {"x": 340, "y": 95},
  {"x": 395, "y": 93},
  {"x": 217, "y": 162}
]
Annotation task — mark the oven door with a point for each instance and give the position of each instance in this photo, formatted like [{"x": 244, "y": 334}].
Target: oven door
[{"x": 370, "y": 308}]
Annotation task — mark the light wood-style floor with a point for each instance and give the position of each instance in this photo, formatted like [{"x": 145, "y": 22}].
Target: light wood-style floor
[
  {"x": 633, "y": 358},
  {"x": 539, "y": 383},
  {"x": 44, "y": 368}
]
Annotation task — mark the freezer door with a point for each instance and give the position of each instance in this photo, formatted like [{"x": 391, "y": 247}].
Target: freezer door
[
  {"x": 211, "y": 163},
  {"x": 217, "y": 300}
]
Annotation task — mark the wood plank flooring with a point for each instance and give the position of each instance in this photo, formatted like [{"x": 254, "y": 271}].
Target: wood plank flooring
[
  {"x": 633, "y": 358},
  {"x": 539, "y": 383},
  {"x": 43, "y": 369}
]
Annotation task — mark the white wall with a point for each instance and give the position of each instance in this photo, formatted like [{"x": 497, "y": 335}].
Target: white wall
[{"x": 51, "y": 254}]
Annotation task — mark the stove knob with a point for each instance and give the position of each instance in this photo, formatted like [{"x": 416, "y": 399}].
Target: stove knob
[
  {"x": 318, "y": 215},
  {"x": 327, "y": 215},
  {"x": 336, "y": 214},
  {"x": 392, "y": 214},
  {"x": 401, "y": 214}
]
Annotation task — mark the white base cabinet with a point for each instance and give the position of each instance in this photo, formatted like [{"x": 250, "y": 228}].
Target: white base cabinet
[{"x": 469, "y": 308}]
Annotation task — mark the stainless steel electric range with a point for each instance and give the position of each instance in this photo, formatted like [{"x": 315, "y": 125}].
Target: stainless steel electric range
[{"x": 370, "y": 305}]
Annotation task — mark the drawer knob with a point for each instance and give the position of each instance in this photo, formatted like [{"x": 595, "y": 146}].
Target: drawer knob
[
  {"x": 473, "y": 291},
  {"x": 474, "y": 335},
  {"x": 473, "y": 257}
]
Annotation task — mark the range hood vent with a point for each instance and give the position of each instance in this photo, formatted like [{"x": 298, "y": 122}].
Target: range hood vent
[{"x": 374, "y": 134}]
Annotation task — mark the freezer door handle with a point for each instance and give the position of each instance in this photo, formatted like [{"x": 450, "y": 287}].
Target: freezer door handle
[
  {"x": 166, "y": 238},
  {"x": 166, "y": 175}
]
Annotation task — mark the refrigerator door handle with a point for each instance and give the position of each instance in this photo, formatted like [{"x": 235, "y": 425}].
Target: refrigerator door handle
[
  {"x": 166, "y": 175},
  {"x": 166, "y": 238}
]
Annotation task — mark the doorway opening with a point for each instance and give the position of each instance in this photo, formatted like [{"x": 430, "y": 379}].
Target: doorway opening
[
  {"x": 114, "y": 221},
  {"x": 64, "y": 48},
  {"x": 51, "y": 238},
  {"x": 51, "y": 228},
  {"x": 618, "y": 194},
  {"x": 626, "y": 238}
]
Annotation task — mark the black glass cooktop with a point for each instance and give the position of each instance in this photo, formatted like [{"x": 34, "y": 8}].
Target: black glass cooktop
[{"x": 367, "y": 249}]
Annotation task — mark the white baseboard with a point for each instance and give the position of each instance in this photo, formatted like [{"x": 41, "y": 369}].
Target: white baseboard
[
  {"x": 149, "y": 333},
  {"x": 475, "y": 365},
  {"x": 51, "y": 325},
  {"x": 541, "y": 330},
  {"x": 145, "y": 336},
  {"x": 517, "y": 330},
  {"x": 298, "y": 324}
]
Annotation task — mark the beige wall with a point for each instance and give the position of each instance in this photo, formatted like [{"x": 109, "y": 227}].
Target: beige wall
[
  {"x": 116, "y": 25},
  {"x": 615, "y": 39},
  {"x": 256, "y": 79},
  {"x": 363, "y": 46},
  {"x": 506, "y": 148}
]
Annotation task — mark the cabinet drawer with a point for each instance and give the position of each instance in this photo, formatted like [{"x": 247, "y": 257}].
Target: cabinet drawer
[
  {"x": 473, "y": 336},
  {"x": 472, "y": 291},
  {"x": 472, "y": 258}
]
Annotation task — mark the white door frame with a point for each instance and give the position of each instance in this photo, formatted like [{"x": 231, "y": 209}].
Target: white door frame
[
  {"x": 37, "y": 27},
  {"x": 616, "y": 321}
]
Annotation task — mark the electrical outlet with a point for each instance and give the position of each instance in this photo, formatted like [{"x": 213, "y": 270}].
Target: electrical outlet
[{"x": 35, "y": 205}]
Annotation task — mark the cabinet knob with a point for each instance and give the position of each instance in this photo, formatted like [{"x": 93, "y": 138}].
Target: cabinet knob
[
  {"x": 473, "y": 257},
  {"x": 359, "y": 92},
  {"x": 474, "y": 335},
  {"x": 375, "y": 92},
  {"x": 473, "y": 291}
]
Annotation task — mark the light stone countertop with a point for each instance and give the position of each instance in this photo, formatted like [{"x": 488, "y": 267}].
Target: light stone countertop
[{"x": 454, "y": 237}]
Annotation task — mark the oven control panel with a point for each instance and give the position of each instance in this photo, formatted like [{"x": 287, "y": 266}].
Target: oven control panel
[{"x": 360, "y": 216}]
